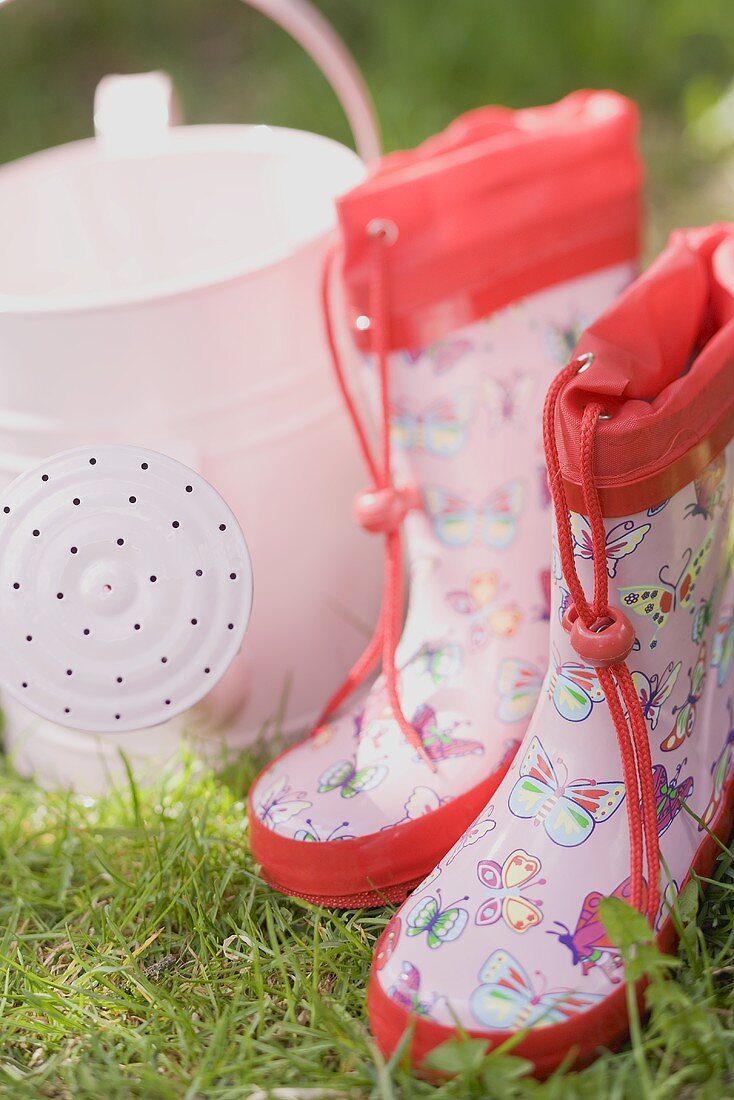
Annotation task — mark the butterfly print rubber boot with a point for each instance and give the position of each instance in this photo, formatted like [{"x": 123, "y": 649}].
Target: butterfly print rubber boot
[
  {"x": 626, "y": 773},
  {"x": 458, "y": 352}
]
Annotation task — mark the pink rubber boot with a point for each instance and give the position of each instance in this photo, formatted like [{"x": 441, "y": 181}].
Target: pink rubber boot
[
  {"x": 470, "y": 264},
  {"x": 627, "y": 767}
]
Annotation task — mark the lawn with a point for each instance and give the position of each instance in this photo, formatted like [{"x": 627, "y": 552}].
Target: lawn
[{"x": 141, "y": 955}]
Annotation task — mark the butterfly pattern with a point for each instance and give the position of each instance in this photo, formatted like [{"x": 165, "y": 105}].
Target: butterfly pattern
[
  {"x": 440, "y": 430},
  {"x": 476, "y": 832},
  {"x": 279, "y": 804},
  {"x": 507, "y": 999},
  {"x": 519, "y": 684},
  {"x": 722, "y": 771},
  {"x": 623, "y": 539},
  {"x": 567, "y": 810},
  {"x": 485, "y": 613},
  {"x": 507, "y": 399},
  {"x": 458, "y": 523},
  {"x": 442, "y": 356},
  {"x": 561, "y": 340},
  {"x": 670, "y": 794},
  {"x": 656, "y": 602},
  {"x": 589, "y": 942},
  {"x": 349, "y": 780},
  {"x": 722, "y": 654},
  {"x": 422, "y": 800},
  {"x": 685, "y": 713},
  {"x": 438, "y": 739},
  {"x": 508, "y": 884},
  {"x": 654, "y": 691},
  {"x": 710, "y": 489},
  {"x": 439, "y": 925},
  {"x": 312, "y": 833},
  {"x": 574, "y": 688},
  {"x": 406, "y": 991}
]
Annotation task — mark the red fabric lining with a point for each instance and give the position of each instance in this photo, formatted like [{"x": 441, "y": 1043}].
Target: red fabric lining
[
  {"x": 498, "y": 206},
  {"x": 664, "y": 367}
]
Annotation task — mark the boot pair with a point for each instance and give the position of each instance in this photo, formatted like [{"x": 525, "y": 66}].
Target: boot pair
[{"x": 554, "y": 725}]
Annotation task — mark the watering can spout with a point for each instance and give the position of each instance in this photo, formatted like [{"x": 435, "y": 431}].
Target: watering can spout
[{"x": 132, "y": 112}]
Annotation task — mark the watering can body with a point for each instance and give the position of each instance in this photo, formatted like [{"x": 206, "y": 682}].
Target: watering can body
[{"x": 165, "y": 294}]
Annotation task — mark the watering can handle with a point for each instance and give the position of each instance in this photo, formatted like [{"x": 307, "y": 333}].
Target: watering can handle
[
  {"x": 307, "y": 26},
  {"x": 315, "y": 34}
]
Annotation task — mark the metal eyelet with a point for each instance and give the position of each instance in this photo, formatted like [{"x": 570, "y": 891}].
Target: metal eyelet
[
  {"x": 383, "y": 228},
  {"x": 585, "y": 361}
]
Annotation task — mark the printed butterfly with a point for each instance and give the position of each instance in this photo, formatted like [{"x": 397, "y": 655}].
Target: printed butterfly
[
  {"x": 349, "y": 780},
  {"x": 507, "y": 999},
  {"x": 519, "y": 684},
  {"x": 574, "y": 688},
  {"x": 589, "y": 943},
  {"x": 507, "y": 885},
  {"x": 312, "y": 833},
  {"x": 658, "y": 508},
  {"x": 438, "y": 741},
  {"x": 561, "y": 340},
  {"x": 440, "y": 925},
  {"x": 279, "y": 804},
  {"x": 656, "y": 601},
  {"x": 669, "y": 794},
  {"x": 686, "y": 713},
  {"x": 479, "y": 603},
  {"x": 458, "y": 523},
  {"x": 722, "y": 771},
  {"x": 567, "y": 811},
  {"x": 654, "y": 691},
  {"x": 565, "y": 595},
  {"x": 440, "y": 430},
  {"x": 723, "y": 648},
  {"x": 621, "y": 541},
  {"x": 444, "y": 354},
  {"x": 483, "y": 825},
  {"x": 429, "y": 879},
  {"x": 388, "y": 942},
  {"x": 406, "y": 991},
  {"x": 421, "y": 801},
  {"x": 702, "y": 616},
  {"x": 440, "y": 661},
  {"x": 507, "y": 399},
  {"x": 709, "y": 487}
]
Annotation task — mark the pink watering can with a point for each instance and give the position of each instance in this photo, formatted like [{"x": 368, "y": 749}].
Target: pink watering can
[{"x": 159, "y": 287}]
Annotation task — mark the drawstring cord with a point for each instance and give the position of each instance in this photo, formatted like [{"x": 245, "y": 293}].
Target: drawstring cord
[
  {"x": 383, "y": 507},
  {"x": 603, "y": 637}
]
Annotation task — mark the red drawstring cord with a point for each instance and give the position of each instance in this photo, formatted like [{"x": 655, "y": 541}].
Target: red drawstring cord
[
  {"x": 588, "y": 624},
  {"x": 382, "y": 508}
]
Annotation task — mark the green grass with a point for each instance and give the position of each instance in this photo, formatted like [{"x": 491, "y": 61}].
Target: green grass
[{"x": 141, "y": 956}]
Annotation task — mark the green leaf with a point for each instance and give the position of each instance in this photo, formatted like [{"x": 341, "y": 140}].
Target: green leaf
[
  {"x": 458, "y": 1056},
  {"x": 687, "y": 902}
]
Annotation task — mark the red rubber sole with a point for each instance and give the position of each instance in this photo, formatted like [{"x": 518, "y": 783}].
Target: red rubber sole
[
  {"x": 366, "y": 899},
  {"x": 604, "y": 1026},
  {"x": 378, "y": 869}
]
